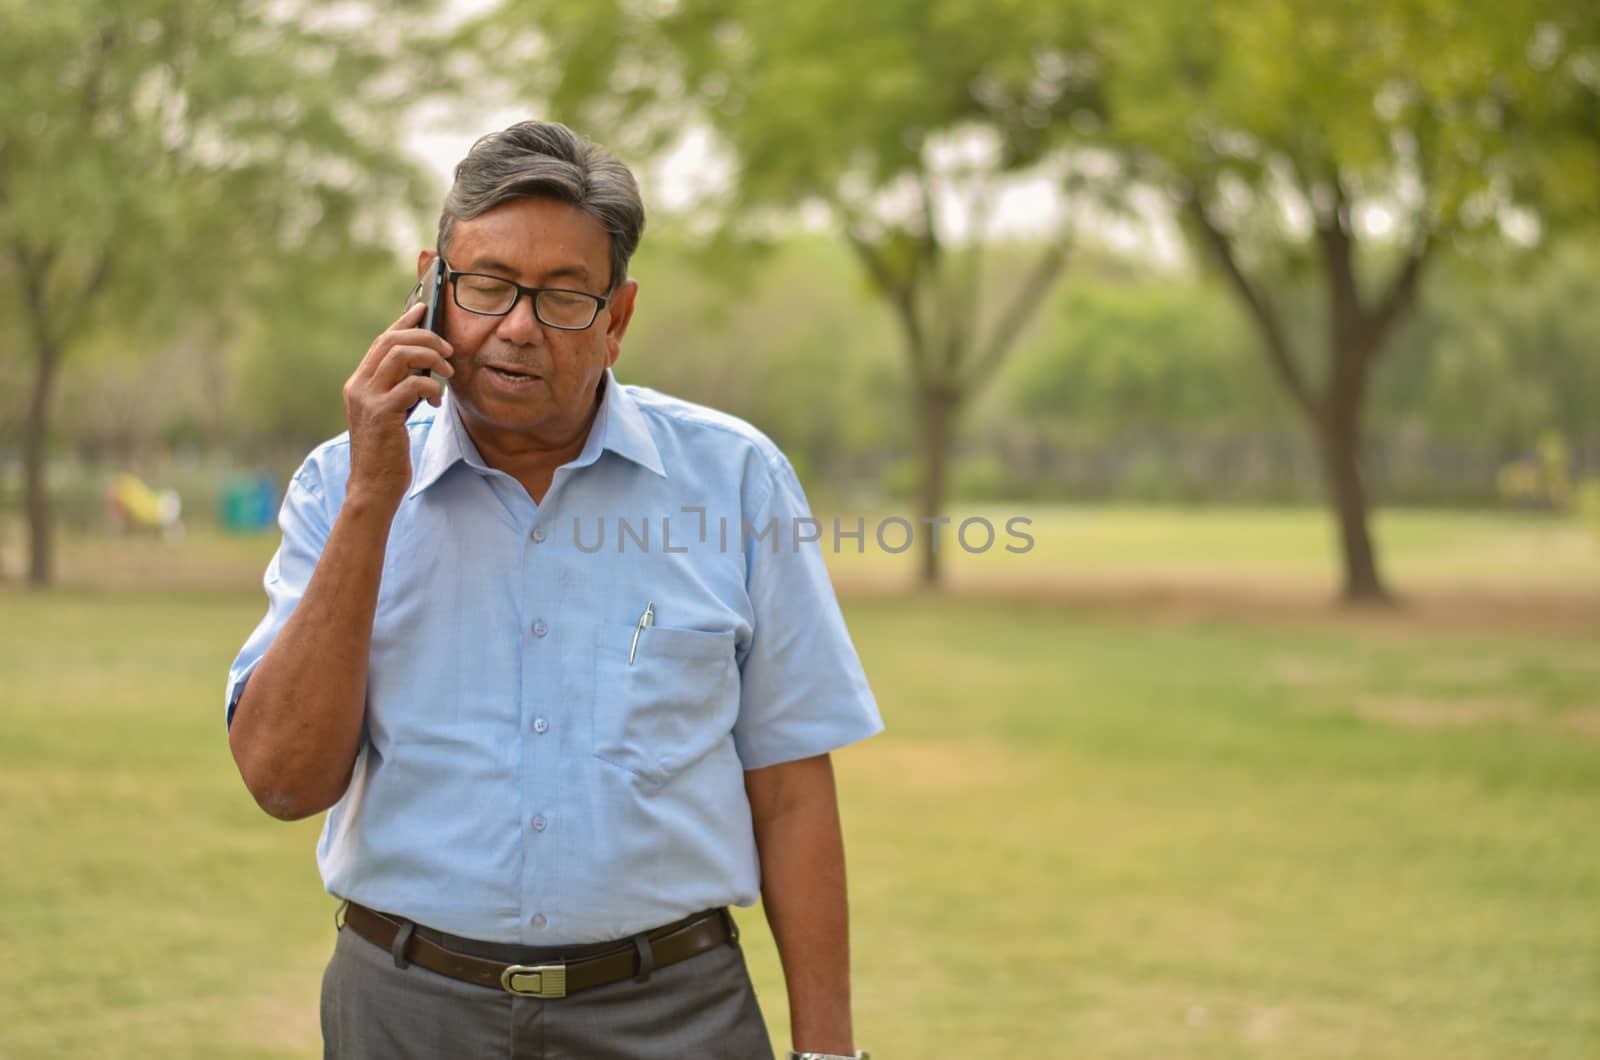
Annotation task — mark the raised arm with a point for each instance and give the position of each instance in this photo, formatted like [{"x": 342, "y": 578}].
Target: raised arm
[{"x": 297, "y": 726}]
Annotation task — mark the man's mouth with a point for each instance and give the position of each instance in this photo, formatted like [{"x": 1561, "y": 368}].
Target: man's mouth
[{"x": 512, "y": 373}]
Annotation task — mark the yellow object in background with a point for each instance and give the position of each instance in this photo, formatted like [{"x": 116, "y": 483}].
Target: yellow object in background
[{"x": 135, "y": 505}]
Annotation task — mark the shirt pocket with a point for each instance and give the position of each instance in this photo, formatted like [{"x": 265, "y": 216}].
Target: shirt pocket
[{"x": 673, "y": 703}]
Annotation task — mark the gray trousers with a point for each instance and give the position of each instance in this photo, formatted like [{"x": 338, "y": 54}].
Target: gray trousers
[{"x": 704, "y": 1007}]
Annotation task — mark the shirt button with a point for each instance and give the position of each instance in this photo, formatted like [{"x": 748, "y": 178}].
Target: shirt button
[
  {"x": 539, "y": 921},
  {"x": 538, "y": 535},
  {"x": 540, "y": 629},
  {"x": 539, "y": 824},
  {"x": 540, "y": 725}
]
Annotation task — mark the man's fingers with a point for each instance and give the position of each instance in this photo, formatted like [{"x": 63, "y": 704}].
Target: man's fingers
[
  {"x": 396, "y": 383},
  {"x": 414, "y": 388},
  {"x": 410, "y": 318},
  {"x": 402, "y": 360},
  {"x": 381, "y": 345},
  {"x": 421, "y": 337},
  {"x": 377, "y": 405}
]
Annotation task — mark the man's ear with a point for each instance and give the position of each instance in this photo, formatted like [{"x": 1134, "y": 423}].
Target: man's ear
[
  {"x": 423, "y": 257},
  {"x": 621, "y": 311}
]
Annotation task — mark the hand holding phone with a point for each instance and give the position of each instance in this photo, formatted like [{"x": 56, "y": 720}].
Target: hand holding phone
[
  {"x": 430, "y": 292},
  {"x": 391, "y": 380}
]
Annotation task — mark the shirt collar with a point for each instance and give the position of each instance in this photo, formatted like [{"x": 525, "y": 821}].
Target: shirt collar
[
  {"x": 618, "y": 426},
  {"x": 446, "y": 445}
]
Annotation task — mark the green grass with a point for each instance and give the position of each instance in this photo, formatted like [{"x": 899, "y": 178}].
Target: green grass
[
  {"x": 1111, "y": 834},
  {"x": 151, "y": 910},
  {"x": 1224, "y": 840},
  {"x": 1420, "y": 549}
]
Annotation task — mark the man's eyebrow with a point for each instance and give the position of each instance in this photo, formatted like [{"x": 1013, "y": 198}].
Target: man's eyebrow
[
  {"x": 567, "y": 272},
  {"x": 490, "y": 265}
]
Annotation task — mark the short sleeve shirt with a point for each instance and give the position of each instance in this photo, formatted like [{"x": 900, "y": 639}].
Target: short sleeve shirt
[{"x": 563, "y": 697}]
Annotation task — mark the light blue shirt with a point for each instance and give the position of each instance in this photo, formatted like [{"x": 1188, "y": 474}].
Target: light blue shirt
[{"x": 539, "y": 763}]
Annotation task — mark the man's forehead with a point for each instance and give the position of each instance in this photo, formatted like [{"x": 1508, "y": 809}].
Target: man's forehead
[{"x": 532, "y": 236}]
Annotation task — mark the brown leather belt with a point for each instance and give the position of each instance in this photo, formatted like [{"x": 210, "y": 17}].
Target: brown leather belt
[{"x": 627, "y": 960}]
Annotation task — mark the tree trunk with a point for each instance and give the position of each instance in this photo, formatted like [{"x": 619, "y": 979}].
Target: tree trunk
[
  {"x": 5, "y": 520},
  {"x": 41, "y": 565},
  {"x": 1339, "y": 438},
  {"x": 936, "y": 413}
]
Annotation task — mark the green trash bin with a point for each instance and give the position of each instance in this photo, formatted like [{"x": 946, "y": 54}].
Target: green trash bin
[{"x": 247, "y": 503}]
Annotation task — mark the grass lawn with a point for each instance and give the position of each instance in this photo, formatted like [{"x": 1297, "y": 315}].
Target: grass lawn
[
  {"x": 1293, "y": 548},
  {"x": 1089, "y": 832}
]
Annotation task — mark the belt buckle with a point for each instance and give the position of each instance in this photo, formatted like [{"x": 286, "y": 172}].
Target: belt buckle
[{"x": 549, "y": 981}]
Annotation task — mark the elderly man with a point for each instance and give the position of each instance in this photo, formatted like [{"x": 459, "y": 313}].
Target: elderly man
[{"x": 560, "y": 660}]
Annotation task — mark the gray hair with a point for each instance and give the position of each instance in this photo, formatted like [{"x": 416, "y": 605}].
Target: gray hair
[{"x": 545, "y": 158}]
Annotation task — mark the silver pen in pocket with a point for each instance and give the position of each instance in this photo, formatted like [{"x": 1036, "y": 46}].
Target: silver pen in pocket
[{"x": 646, "y": 620}]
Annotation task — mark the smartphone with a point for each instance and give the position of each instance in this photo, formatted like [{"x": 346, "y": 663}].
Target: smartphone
[{"x": 430, "y": 291}]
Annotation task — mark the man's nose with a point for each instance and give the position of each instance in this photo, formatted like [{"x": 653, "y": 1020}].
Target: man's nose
[{"x": 521, "y": 326}]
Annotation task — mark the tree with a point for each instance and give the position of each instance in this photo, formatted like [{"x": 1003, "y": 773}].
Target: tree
[
  {"x": 1354, "y": 142},
  {"x": 899, "y": 120},
  {"x": 161, "y": 159},
  {"x": 1506, "y": 360}
]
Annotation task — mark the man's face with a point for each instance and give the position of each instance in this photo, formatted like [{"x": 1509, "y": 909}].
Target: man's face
[{"x": 515, "y": 377}]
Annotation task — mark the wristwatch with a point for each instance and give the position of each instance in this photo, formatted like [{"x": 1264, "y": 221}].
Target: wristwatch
[{"x": 828, "y": 1056}]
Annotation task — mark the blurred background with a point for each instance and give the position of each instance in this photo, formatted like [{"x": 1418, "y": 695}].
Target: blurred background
[{"x": 1276, "y": 320}]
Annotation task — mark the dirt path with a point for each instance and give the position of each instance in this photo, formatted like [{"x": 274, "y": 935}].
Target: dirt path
[{"x": 1198, "y": 597}]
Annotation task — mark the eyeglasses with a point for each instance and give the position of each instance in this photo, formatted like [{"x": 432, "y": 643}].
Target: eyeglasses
[{"x": 555, "y": 307}]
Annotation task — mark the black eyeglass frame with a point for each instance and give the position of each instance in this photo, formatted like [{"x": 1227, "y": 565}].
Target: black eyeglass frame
[{"x": 533, "y": 293}]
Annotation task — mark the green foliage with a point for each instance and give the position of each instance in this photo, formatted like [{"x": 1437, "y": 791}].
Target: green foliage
[
  {"x": 1325, "y": 155},
  {"x": 796, "y": 348},
  {"x": 1131, "y": 373},
  {"x": 304, "y": 340},
  {"x": 1497, "y": 359},
  {"x": 1351, "y": 141},
  {"x": 1414, "y": 105},
  {"x": 1159, "y": 354},
  {"x": 1493, "y": 359},
  {"x": 235, "y": 325},
  {"x": 882, "y": 116},
  {"x": 165, "y": 165},
  {"x": 808, "y": 96},
  {"x": 1329, "y": 146},
  {"x": 164, "y": 155},
  {"x": 1143, "y": 374},
  {"x": 1565, "y": 126}
]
